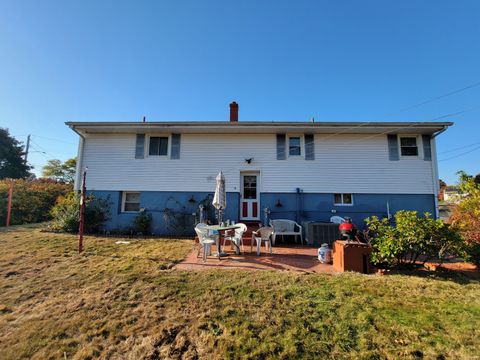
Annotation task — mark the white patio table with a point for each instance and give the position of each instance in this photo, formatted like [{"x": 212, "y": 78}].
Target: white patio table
[{"x": 223, "y": 229}]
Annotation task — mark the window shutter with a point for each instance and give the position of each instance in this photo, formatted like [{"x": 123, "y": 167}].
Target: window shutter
[
  {"x": 309, "y": 147},
  {"x": 175, "y": 154},
  {"x": 281, "y": 154},
  {"x": 427, "y": 148},
  {"x": 393, "y": 148},
  {"x": 120, "y": 201},
  {"x": 140, "y": 147}
]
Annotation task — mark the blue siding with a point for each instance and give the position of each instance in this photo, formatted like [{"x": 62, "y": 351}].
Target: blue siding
[
  {"x": 155, "y": 202},
  {"x": 318, "y": 207},
  {"x": 295, "y": 206}
]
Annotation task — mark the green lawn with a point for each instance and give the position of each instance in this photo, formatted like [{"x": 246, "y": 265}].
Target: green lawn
[{"x": 123, "y": 302}]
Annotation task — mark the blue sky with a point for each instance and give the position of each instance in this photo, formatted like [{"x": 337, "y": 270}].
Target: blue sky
[{"x": 281, "y": 60}]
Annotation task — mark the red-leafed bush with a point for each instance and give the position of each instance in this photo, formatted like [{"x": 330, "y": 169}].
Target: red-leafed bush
[{"x": 31, "y": 201}]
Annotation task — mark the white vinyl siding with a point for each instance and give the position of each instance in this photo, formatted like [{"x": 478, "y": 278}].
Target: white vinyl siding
[{"x": 345, "y": 163}]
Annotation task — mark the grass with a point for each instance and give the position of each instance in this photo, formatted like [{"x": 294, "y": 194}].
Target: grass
[{"x": 124, "y": 302}]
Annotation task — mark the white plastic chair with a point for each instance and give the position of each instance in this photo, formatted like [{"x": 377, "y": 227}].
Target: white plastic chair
[
  {"x": 237, "y": 237},
  {"x": 205, "y": 240},
  {"x": 337, "y": 219},
  {"x": 264, "y": 234},
  {"x": 286, "y": 227}
]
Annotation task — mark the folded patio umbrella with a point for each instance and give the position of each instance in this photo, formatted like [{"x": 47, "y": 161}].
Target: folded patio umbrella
[{"x": 220, "y": 197}]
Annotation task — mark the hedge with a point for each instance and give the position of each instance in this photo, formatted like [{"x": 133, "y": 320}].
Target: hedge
[{"x": 32, "y": 200}]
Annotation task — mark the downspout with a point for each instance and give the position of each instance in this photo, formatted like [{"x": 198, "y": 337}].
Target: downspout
[
  {"x": 436, "y": 180},
  {"x": 297, "y": 213},
  {"x": 439, "y": 132},
  {"x": 78, "y": 168}
]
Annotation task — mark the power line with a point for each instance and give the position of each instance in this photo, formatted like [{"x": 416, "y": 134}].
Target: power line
[
  {"x": 462, "y": 154},
  {"x": 455, "y": 113},
  {"x": 459, "y": 148},
  {"x": 52, "y": 139},
  {"x": 39, "y": 151},
  {"x": 422, "y": 103},
  {"x": 435, "y": 98},
  {"x": 39, "y": 147}
]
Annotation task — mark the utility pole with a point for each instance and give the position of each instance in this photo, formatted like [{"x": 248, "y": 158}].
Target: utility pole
[
  {"x": 27, "y": 147},
  {"x": 82, "y": 212}
]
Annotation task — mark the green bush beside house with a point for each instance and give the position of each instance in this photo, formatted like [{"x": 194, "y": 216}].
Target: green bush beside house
[
  {"x": 411, "y": 238},
  {"x": 66, "y": 213}
]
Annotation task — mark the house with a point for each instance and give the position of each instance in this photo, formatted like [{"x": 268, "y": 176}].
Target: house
[
  {"x": 293, "y": 170},
  {"x": 452, "y": 194}
]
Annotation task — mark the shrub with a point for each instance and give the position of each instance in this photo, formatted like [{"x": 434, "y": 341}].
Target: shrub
[
  {"x": 142, "y": 222},
  {"x": 31, "y": 201},
  {"x": 412, "y": 238},
  {"x": 382, "y": 238},
  {"x": 66, "y": 213}
]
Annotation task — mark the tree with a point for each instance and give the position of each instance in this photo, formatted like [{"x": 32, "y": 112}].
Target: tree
[
  {"x": 466, "y": 216},
  {"x": 442, "y": 184},
  {"x": 465, "y": 181},
  {"x": 63, "y": 172},
  {"x": 12, "y": 163}
]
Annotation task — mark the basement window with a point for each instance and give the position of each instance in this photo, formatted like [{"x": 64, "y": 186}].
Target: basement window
[
  {"x": 408, "y": 146},
  {"x": 130, "y": 201},
  {"x": 342, "y": 199},
  {"x": 158, "y": 146}
]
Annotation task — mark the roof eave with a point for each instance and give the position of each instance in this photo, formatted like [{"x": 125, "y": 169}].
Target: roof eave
[{"x": 263, "y": 127}]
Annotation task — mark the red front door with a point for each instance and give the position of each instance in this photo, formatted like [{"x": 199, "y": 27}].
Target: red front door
[{"x": 249, "y": 202}]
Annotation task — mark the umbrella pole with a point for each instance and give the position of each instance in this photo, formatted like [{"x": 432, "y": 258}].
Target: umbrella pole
[{"x": 219, "y": 216}]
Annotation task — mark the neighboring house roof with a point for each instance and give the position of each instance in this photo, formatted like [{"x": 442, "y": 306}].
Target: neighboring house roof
[
  {"x": 452, "y": 189},
  {"x": 256, "y": 127}
]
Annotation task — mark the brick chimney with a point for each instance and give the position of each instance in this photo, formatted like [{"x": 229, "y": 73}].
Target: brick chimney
[{"x": 234, "y": 112}]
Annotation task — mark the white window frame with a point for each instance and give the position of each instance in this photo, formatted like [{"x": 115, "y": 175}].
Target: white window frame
[
  {"x": 124, "y": 198},
  {"x": 419, "y": 146},
  {"x": 342, "y": 203},
  {"x": 302, "y": 146},
  {"x": 169, "y": 145}
]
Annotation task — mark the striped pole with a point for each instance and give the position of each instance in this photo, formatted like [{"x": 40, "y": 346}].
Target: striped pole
[{"x": 82, "y": 213}]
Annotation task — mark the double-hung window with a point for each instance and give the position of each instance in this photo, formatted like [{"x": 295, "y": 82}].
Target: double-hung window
[
  {"x": 158, "y": 146},
  {"x": 408, "y": 146},
  {"x": 342, "y": 199},
  {"x": 130, "y": 201},
  {"x": 294, "y": 146}
]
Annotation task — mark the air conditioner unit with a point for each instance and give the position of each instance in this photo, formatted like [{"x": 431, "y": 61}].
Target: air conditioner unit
[{"x": 317, "y": 233}]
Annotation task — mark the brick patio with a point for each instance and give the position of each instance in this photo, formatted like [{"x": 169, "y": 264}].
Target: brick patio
[{"x": 284, "y": 257}]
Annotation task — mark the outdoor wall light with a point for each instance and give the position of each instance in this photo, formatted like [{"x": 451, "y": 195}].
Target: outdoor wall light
[
  {"x": 192, "y": 200},
  {"x": 249, "y": 161},
  {"x": 278, "y": 204}
]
